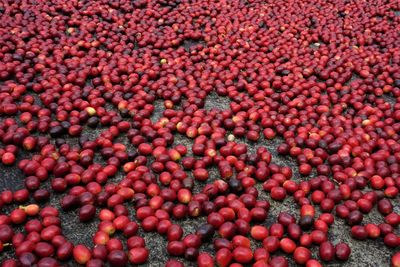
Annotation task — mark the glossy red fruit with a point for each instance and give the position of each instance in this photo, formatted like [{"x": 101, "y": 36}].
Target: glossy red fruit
[
  {"x": 138, "y": 255},
  {"x": 327, "y": 84},
  {"x": 174, "y": 263},
  {"x": 279, "y": 261},
  {"x": 87, "y": 212},
  {"x": 313, "y": 263},
  {"x": 9, "y": 263},
  {"x": 301, "y": 255},
  {"x": 95, "y": 263},
  {"x": 242, "y": 254},
  {"x": 392, "y": 240},
  {"x": 205, "y": 260},
  {"x": 8, "y": 158},
  {"x": 176, "y": 248},
  {"x": 64, "y": 251},
  {"x": 6, "y": 233},
  {"x": 359, "y": 232},
  {"x": 174, "y": 232},
  {"x": 18, "y": 216},
  {"x": 278, "y": 193},
  {"x": 101, "y": 238},
  {"x": 81, "y": 254},
  {"x": 318, "y": 237},
  {"x": 191, "y": 253},
  {"x": 271, "y": 243},
  {"x": 43, "y": 249},
  {"x": 48, "y": 261},
  {"x": 100, "y": 252},
  {"x": 261, "y": 254},
  {"x": 342, "y": 251},
  {"x": 287, "y": 245},
  {"x": 276, "y": 230},
  {"x": 200, "y": 174},
  {"x": 259, "y": 232},
  {"x": 372, "y": 230},
  {"x": 117, "y": 258},
  {"x": 326, "y": 251},
  {"x": 192, "y": 241},
  {"x": 241, "y": 241},
  {"x": 223, "y": 257},
  {"x": 395, "y": 260},
  {"x": 227, "y": 230}
]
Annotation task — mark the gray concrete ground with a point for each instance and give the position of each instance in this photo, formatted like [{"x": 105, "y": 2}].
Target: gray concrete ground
[{"x": 371, "y": 253}]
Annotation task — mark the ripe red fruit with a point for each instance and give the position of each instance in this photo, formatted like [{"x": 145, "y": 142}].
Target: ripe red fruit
[
  {"x": 269, "y": 133},
  {"x": 393, "y": 219},
  {"x": 114, "y": 244},
  {"x": 18, "y": 216},
  {"x": 215, "y": 219},
  {"x": 43, "y": 249},
  {"x": 301, "y": 255},
  {"x": 138, "y": 255},
  {"x": 192, "y": 241},
  {"x": 326, "y": 251},
  {"x": 227, "y": 230},
  {"x": 87, "y": 212},
  {"x": 385, "y": 206},
  {"x": 200, "y": 174},
  {"x": 279, "y": 261},
  {"x": 191, "y": 254},
  {"x": 242, "y": 254},
  {"x": 313, "y": 263},
  {"x": 318, "y": 237},
  {"x": 259, "y": 232},
  {"x": 205, "y": 260},
  {"x": 135, "y": 242},
  {"x": 359, "y": 232},
  {"x": 65, "y": 251},
  {"x": 294, "y": 231},
  {"x": 305, "y": 169},
  {"x": 117, "y": 258},
  {"x": 258, "y": 214},
  {"x": 372, "y": 230},
  {"x": 306, "y": 240},
  {"x": 145, "y": 149},
  {"x": 6, "y": 233},
  {"x": 101, "y": 238},
  {"x": 271, "y": 243},
  {"x": 223, "y": 257},
  {"x": 120, "y": 222},
  {"x": 174, "y": 232},
  {"x": 184, "y": 195},
  {"x": 278, "y": 193},
  {"x": 174, "y": 263},
  {"x": 152, "y": 74},
  {"x": 276, "y": 230},
  {"x": 8, "y": 158},
  {"x": 287, "y": 245},
  {"x": 342, "y": 251},
  {"x": 307, "y": 210},
  {"x": 392, "y": 240},
  {"x": 261, "y": 254},
  {"x": 176, "y": 248},
  {"x": 395, "y": 261},
  {"x": 81, "y": 254},
  {"x": 260, "y": 263}
]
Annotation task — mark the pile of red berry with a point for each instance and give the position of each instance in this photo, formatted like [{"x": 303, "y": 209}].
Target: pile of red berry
[{"x": 323, "y": 77}]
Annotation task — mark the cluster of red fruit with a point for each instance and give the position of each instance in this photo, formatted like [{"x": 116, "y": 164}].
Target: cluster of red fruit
[{"x": 316, "y": 74}]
